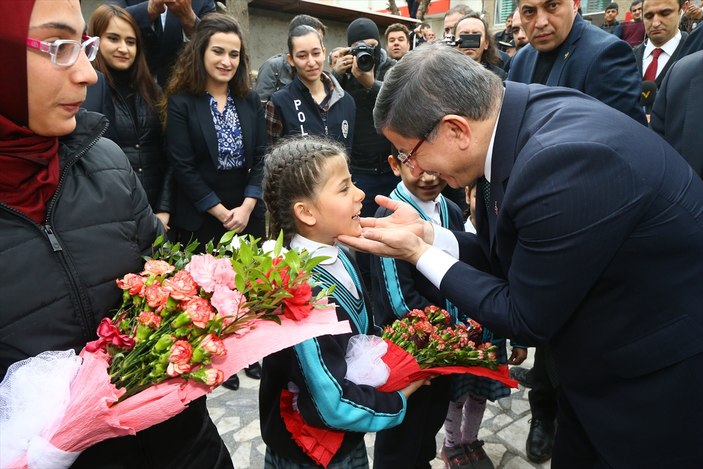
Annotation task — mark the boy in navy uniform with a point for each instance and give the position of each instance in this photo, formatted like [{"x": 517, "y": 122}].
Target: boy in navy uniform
[{"x": 397, "y": 288}]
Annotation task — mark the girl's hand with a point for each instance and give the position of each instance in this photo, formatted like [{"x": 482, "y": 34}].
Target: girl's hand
[
  {"x": 415, "y": 385},
  {"x": 222, "y": 213}
]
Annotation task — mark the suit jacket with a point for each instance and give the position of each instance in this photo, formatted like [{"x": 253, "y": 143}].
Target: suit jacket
[
  {"x": 592, "y": 61},
  {"x": 678, "y": 109},
  {"x": 191, "y": 142},
  {"x": 595, "y": 244},
  {"x": 694, "y": 42},
  {"x": 639, "y": 56},
  {"x": 162, "y": 44}
]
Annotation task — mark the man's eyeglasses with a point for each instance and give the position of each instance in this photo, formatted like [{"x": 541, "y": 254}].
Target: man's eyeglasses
[
  {"x": 65, "y": 52},
  {"x": 407, "y": 158}
]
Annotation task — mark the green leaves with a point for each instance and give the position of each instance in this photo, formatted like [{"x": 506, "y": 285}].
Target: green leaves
[
  {"x": 433, "y": 341},
  {"x": 168, "y": 307}
]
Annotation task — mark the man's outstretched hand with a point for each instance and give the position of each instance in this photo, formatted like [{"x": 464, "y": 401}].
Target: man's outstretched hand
[{"x": 402, "y": 234}]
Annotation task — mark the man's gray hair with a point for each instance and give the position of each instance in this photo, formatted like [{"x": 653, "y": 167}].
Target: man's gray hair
[{"x": 431, "y": 82}]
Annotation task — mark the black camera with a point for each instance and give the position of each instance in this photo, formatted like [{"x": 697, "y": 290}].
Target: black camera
[
  {"x": 364, "y": 55},
  {"x": 465, "y": 41},
  {"x": 469, "y": 41},
  {"x": 448, "y": 39}
]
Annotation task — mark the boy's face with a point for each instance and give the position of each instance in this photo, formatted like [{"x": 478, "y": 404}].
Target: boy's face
[
  {"x": 471, "y": 200},
  {"x": 425, "y": 187},
  {"x": 610, "y": 15},
  {"x": 636, "y": 11}
]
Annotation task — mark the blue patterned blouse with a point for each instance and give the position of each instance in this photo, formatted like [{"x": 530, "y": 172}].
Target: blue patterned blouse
[{"x": 230, "y": 146}]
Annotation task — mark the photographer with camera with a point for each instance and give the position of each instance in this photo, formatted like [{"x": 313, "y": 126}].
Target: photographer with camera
[{"x": 360, "y": 70}]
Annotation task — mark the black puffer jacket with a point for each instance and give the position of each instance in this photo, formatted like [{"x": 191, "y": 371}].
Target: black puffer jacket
[
  {"x": 142, "y": 141},
  {"x": 141, "y": 138},
  {"x": 58, "y": 280}
]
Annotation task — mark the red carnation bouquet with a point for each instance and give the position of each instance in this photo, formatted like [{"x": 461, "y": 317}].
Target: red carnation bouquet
[
  {"x": 187, "y": 322},
  {"x": 420, "y": 345},
  {"x": 426, "y": 343}
]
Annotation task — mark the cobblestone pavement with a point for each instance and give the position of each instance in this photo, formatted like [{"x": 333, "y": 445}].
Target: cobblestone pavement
[{"x": 504, "y": 429}]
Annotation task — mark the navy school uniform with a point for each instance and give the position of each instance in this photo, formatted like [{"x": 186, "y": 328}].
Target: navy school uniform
[
  {"x": 398, "y": 287},
  {"x": 317, "y": 367}
]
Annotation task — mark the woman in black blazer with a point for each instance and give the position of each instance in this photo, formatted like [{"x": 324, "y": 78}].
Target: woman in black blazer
[{"x": 215, "y": 136}]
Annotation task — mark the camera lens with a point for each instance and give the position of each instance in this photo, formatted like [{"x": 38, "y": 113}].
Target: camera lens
[{"x": 364, "y": 61}]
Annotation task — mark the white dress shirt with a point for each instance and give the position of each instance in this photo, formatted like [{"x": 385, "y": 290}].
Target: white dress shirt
[
  {"x": 332, "y": 265},
  {"x": 429, "y": 207},
  {"x": 668, "y": 50},
  {"x": 444, "y": 252}
]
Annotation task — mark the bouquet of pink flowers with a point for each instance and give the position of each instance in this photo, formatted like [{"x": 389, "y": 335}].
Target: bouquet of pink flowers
[
  {"x": 176, "y": 312},
  {"x": 187, "y": 322}
]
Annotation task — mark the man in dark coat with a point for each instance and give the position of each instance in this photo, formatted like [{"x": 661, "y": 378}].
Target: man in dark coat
[
  {"x": 568, "y": 51},
  {"x": 678, "y": 109},
  {"x": 565, "y": 50},
  {"x": 590, "y": 238},
  {"x": 664, "y": 40}
]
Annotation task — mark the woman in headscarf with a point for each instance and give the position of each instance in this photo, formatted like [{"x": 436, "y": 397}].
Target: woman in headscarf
[{"x": 73, "y": 218}]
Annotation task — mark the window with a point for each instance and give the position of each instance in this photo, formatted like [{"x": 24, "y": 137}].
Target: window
[
  {"x": 504, "y": 10},
  {"x": 593, "y": 6}
]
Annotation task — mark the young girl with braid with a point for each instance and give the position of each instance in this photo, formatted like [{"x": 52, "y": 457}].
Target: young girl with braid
[{"x": 310, "y": 196}]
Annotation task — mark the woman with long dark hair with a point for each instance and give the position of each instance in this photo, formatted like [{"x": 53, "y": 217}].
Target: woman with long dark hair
[
  {"x": 131, "y": 104},
  {"x": 216, "y": 139}
]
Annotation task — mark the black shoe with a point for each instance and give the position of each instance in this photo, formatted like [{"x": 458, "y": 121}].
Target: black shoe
[
  {"x": 477, "y": 455},
  {"x": 253, "y": 371},
  {"x": 522, "y": 375},
  {"x": 232, "y": 383},
  {"x": 540, "y": 440}
]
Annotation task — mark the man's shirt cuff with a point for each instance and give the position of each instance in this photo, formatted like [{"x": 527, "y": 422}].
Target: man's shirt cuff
[{"x": 434, "y": 264}]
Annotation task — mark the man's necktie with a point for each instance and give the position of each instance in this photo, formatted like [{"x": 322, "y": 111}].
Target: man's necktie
[
  {"x": 485, "y": 188},
  {"x": 651, "y": 73}
]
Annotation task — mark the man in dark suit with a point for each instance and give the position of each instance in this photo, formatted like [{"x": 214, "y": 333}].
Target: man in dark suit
[
  {"x": 165, "y": 25},
  {"x": 678, "y": 109},
  {"x": 664, "y": 40},
  {"x": 590, "y": 238},
  {"x": 565, "y": 50}
]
